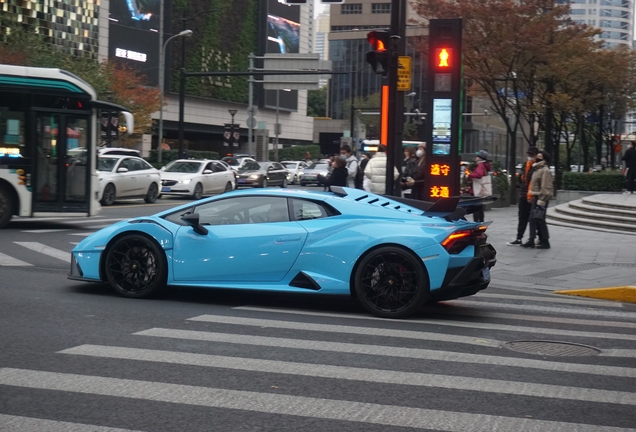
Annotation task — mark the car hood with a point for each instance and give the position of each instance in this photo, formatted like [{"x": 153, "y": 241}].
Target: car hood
[
  {"x": 177, "y": 176},
  {"x": 249, "y": 173}
]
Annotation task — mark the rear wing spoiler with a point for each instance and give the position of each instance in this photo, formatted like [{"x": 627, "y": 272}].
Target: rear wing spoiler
[{"x": 451, "y": 209}]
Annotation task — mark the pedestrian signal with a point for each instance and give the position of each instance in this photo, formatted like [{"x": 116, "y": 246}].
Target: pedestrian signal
[
  {"x": 443, "y": 56},
  {"x": 379, "y": 57}
]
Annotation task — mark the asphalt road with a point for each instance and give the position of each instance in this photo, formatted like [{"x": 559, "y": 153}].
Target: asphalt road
[{"x": 76, "y": 357}]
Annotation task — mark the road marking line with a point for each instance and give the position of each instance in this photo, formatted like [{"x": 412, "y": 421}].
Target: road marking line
[
  {"x": 271, "y": 403},
  {"x": 619, "y": 353},
  {"x": 9, "y": 261},
  {"x": 390, "y": 351},
  {"x": 46, "y": 250},
  {"x": 96, "y": 220},
  {"x": 590, "y": 311},
  {"x": 26, "y": 424},
  {"x": 554, "y": 299},
  {"x": 42, "y": 231},
  {"x": 464, "y": 324},
  {"x": 84, "y": 234},
  {"x": 97, "y": 227},
  {"x": 331, "y": 328},
  {"x": 358, "y": 374}
]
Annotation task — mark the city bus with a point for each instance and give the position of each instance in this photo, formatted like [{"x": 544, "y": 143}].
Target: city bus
[
  {"x": 372, "y": 145},
  {"x": 50, "y": 127}
]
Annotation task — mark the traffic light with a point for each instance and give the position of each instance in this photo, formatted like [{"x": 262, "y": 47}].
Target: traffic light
[
  {"x": 379, "y": 57},
  {"x": 443, "y": 58}
]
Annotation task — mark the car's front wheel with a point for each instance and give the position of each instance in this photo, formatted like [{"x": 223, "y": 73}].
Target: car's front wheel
[
  {"x": 108, "y": 198},
  {"x": 153, "y": 192},
  {"x": 391, "y": 282},
  {"x": 136, "y": 266},
  {"x": 228, "y": 187}
]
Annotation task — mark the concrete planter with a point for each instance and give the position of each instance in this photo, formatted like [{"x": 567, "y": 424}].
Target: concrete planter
[{"x": 565, "y": 196}]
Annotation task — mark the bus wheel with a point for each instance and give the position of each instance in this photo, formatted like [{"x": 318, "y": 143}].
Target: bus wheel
[
  {"x": 151, "y": 196},
  {"x": 108, "y": 198},
  {"x": 6, "y": 207}
]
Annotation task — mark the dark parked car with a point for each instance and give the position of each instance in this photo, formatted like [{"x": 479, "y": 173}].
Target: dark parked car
[{"x": 262, "y": 174}]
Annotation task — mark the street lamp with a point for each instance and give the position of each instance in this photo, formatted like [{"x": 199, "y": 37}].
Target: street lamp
[{"x": 162, "y": 58}]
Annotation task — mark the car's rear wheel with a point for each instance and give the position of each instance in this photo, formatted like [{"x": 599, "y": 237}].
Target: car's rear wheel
[
  {"x": 284, "y": 184},
  {"x": 228, "y": 187},
  {"x": 391, "y": 282},
  {"x": 151, "y": 196},
  {"x": 6, "y": 207},
  {"x": 108, "y": 198},
  {"x": 198, "y": 191},
  {"x": 303, "y": 184},
  {"x": 136, "y": 266}
]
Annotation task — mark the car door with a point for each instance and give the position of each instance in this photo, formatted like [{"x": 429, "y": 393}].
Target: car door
[
  {"x": 207, "y": 180},
  {"x": 145, "y": 175},
  {"x": 250, "y": 239},
  {"x": 220, "y": 176},
  {"x": 126, "y": 182},
  {"x": 276, "y": 173}
]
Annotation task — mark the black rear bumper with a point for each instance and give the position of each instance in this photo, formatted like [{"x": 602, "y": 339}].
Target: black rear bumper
[{"x": 470, "y": 279}]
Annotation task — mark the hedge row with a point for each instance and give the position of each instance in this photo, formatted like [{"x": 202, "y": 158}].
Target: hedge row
[
  {"x": 170, "y": 155},
  {"x": 607, "y": 181},
  {"x": 296, "y": 153}
]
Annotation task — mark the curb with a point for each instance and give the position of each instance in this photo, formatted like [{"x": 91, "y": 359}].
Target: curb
[{"x": 626, "y": 294}]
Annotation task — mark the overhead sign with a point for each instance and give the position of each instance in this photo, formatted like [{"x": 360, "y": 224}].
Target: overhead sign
[
  {"x": 292, "y": 62},
  {"x": 404, "y": 73}
]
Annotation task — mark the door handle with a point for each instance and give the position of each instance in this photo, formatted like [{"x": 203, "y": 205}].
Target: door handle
[{"x": 289, "y": 238}]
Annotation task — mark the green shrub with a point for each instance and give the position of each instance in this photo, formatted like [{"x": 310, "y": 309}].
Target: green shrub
[
  {"x": 607, "y": 181},
  {"x": 296, "y": 153},
  {"x": 500, "y": 179},
  {"x": 169, "y": 155}
]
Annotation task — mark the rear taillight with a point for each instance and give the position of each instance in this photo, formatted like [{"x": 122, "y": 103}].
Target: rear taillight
[{"x": 458, "y": 240}]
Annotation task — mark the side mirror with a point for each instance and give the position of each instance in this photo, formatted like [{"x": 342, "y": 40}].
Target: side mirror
[
  {"x": 122, "y": 170},
  {"x": 269, "y": 168},
  {"x": 192, "y": 219},
  {"x": 163, "y": 168},
  {"x": 207, "y": 171}
]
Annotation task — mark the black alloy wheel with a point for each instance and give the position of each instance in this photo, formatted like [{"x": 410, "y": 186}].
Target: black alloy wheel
[
  {"x": 153, "y": 192},
  {"x": 6, "y": 207},
  {"x": 391, "y": 282},
  {"x": 198, "y": 191},
  {"x": 108, "y": 198},
  {"x": 136, "y": 266}
]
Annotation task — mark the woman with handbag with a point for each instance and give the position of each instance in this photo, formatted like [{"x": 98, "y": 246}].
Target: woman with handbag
[
  {"x": 482, "y": 183},
  {"x": 539, "y": 194}
]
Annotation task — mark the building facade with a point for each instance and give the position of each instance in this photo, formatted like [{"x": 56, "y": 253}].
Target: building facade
[{"x": 615, "y": 18}]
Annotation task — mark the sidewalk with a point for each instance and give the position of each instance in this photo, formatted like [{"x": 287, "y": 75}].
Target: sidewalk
[{"x": 578, "y": 258}]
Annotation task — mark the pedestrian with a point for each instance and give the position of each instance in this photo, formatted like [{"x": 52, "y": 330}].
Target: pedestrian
[
  {"x": 360, "y": 178},
  {"x": 410, "y": 162},
  {"x": 307, "y": 157},
  {"x": 539, "y": 194},
  {"x": 630, "y": 168},
  {"x": 338, "y": 176},
  {"x": 417, "y": 181},
  {"x": 524, "y": 206},
  {"x": 481, "y": 182},
  {"x": 352, "y": 165},
  {"x": 375, "y": 171}
]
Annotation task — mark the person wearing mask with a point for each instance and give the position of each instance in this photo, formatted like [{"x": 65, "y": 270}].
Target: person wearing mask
[
  {"x": 482, "y": 183},
  {"x": 524, "y": 205},
  {"x": 338, "y": 175},
  {"x": 630, "y": 168},
  {"x": 416, "y": 183},
  {"x": 352, "y": 165},
  {"x": 539, "y": 194},
  {"x": 375, "y": 171}
]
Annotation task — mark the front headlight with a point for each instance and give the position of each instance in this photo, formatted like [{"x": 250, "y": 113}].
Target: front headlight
[
  {"x": 254, "y": 176},
  {"x": 186, "y": 181}
]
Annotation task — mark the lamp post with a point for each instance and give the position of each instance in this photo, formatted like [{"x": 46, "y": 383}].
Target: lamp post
[
  {"x": 232, "y": 113},
  {"x": 162, "y": 66}
]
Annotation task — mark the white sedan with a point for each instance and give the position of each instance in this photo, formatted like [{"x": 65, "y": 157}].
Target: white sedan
[
  {"x": 295, "y": 169},
  {"x": 195, "y": 178},
  {"x": 123, "y": 176}
]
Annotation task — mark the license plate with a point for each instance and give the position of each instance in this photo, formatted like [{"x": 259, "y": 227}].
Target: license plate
[
  {"x": 241, "y": 181},
  {"x": 165, "y": 189},
  {"x": 485, "y": 273},
  {"x": 309, "y": 178}
]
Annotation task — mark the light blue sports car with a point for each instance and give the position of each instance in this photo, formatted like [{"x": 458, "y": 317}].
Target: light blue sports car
[{"x": 392, "y": 254}]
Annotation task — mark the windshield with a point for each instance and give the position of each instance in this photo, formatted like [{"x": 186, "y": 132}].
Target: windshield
[
  {"x": 106, "y": 164},
  {"x": 320, "y": 166},
  {"x": 231, "y": 161},
  {"x": 249, "y": 166},
  {"x": 184, "y": 167},
  {"x": 289, "y": 165}
]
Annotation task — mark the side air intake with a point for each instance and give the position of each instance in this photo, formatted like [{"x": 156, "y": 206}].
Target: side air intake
[{"x": 301, "y": 280}]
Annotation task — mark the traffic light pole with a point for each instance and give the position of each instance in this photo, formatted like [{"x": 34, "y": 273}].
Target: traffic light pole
[{"x": 396, "y": 98}]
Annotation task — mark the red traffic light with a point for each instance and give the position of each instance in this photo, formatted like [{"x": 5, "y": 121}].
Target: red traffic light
[
  {"x": 378, "y": 40},
  {"x": 443, "y": 57}
]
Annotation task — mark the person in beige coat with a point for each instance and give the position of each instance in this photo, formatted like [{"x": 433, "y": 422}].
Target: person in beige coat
[{"x": 539, "y": 195}]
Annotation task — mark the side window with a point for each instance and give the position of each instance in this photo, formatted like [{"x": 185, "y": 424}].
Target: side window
[
  {"x": 144, "y": 165},
  {"x": 217, "y": 167},
  {"x": 127, "y": 163},
  {"x": 277, "y": 166},
  {"x": 209, "y": 166},
  {"x": 138, "y": 165},
  {"x": 243, "y": 210},
  {"x": 306, "y": 210}
]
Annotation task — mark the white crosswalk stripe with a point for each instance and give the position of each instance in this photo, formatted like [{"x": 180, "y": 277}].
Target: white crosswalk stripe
[
  {"x": 46, "y": 250},
  {"x": 9, "y": 423},
  {"x": 6, "y": 260}
]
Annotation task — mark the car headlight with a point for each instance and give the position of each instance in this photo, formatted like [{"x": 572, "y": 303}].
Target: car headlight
[
  {"x": 254, "y": 176},
  {"x": 186, "y": 181}
]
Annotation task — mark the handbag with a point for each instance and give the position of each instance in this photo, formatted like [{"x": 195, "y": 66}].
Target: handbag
[
  {"x": 482, "y": 187},
  {"x": 537, "y": 213}
]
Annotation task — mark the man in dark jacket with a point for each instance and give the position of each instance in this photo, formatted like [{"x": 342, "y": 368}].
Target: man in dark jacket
[
  {"x": 630, "y": 165},
  {"x": 524, "y": 205},
  {"x": 338, "y": 176}
]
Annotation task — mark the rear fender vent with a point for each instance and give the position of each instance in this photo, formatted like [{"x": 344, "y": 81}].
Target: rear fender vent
[{"x": 302, "y": 280}]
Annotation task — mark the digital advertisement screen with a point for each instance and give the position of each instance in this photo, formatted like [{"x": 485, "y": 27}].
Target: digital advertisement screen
[
  {"x": 283, "y": 35},
  {"x": 140, "y": 14},
  {"x": 442, "y": 110}
]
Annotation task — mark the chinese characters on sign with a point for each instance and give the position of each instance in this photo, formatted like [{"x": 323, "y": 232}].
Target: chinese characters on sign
[
  {"x": 440, "y": 192},
  {"x": 440, "y": 170},
  {"x": 131, "y": 55}
]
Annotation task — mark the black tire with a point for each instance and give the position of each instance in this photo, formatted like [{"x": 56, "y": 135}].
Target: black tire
[
  {"x": 198, "y": 192},
  {"x": 228, "y": 187},
  {"x": 110, "y": 193},
  {"x": 303, "y": 184},
  {"x": 152, "y": 195},
  {"x": 6, "y": 207},
  {"x": 391, "y": 282},
  {"x": 284, "y": 184},
  {"x": 264, "y": 183},
  {"x": 136, "y": 267}
]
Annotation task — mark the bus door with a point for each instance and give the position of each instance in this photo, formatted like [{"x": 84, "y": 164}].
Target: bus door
[{"x": 62, "y": 162}]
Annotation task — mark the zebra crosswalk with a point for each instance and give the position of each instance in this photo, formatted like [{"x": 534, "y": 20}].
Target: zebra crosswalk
[{"x": 263, "y": 368}]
